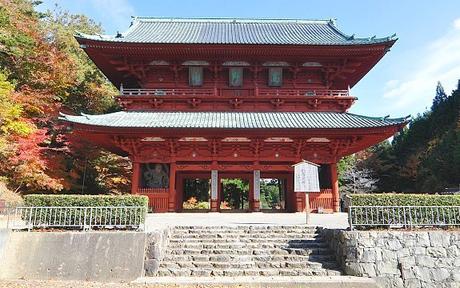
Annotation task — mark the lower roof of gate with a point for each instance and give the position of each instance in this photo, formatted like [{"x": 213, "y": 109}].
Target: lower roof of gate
[{"x": 233, "y": 120}]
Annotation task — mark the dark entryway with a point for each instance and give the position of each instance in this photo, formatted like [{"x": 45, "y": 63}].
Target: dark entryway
[
  {"x": 272, "y": 194},
  {"x": 196, "y": 195},
  {"x": 234, "y": 194}
]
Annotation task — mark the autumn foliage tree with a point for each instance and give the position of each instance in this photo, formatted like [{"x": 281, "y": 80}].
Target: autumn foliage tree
[{"x": 43, "y": 71}]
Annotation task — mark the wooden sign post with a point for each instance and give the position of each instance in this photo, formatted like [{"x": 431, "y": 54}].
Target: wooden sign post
[{"x": 306, "y": 180}]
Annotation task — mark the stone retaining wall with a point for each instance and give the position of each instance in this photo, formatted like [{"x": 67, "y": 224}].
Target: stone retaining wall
[
  {"x": 399, "y": 258},
  {"x": 156, "y": 244},
  {"x": 94, "y": 256}
]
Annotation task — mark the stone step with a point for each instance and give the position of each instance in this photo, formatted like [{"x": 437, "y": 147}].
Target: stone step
[
  {"x": 249, "y": 251},
  {"x": 243, "y": 235},
  {"x": 200, "y": 272},
  {"x": 245, "y": 240},
  {"x": 259, "y": 281},
  {"x": 256, "y": 245},
  {"x": 247, "y": 227},
  {"x": 233, "y": 257},
  {"x": 247, "y": 265}
]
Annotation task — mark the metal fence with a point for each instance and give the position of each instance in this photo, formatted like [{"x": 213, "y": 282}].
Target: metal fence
[
  {"x": 403, "y": 216},
  {"x": 85, "y": 218}
]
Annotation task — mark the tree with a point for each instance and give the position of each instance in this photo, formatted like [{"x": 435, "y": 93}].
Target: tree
[
  {"x": 424, "y": 157},
  {"x": 440, "y": 96},
  {"x": 358, "y": 181},
  {"x": 44, "y": 71}
]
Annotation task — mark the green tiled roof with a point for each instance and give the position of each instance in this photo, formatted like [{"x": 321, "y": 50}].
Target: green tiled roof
[
  {"x": 234, "y": 31},
  {"x": 232, "y": 120}
]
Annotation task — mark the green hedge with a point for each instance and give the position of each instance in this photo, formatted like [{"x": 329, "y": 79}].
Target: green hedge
[
  {"x": 79, "y": 218},
  {"x": 443, "y": 214},
  {"x": 404, "y": 200},
  {"x": 63, "y": 200}
]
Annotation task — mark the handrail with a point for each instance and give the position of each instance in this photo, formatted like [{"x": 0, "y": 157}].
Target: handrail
[
  {"x": 270, "y": 92},
  {"x": 403, "y": 216},
  {"x": 77, "y": 217}
]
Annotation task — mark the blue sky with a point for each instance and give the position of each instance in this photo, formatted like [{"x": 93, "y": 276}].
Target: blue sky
[{"x": 428, "y": 49}]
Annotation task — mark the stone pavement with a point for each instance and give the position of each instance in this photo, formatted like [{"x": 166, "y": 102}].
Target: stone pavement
[
  {"x": 162, "y": 220},
  {"x": 260, "y": 281},
  {"x": 306, "y": 282}
]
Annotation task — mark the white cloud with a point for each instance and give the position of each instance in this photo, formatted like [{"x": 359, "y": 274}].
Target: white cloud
[
  {"x": 440, "y": 61},
  {"x": 457, "y": 24}
]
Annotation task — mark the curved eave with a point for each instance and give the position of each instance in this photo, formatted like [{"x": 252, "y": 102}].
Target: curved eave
[
  {"x": 101, "y": 42},
  {"x": 391, "y": 125}
]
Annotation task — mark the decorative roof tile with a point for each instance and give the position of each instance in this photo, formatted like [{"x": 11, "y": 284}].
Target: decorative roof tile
[
  {"x": 234, "y": 31},
  {"x": 233, "y": 120}
]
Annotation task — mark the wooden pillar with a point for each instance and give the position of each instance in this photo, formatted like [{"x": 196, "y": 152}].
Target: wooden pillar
[
  {"x": 335, "y": 188},
  {"x": 135, "y": 177},
  {"x": 214, "y": 191},
  {"x": 172, "y": 205},
  {"x": 255, "y": 203}
]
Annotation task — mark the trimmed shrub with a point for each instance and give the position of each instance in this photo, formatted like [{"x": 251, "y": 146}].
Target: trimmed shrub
[
  {"x": 404, "y": 200},
  {"x": 66, "y": 200},
  {"x": 79, "y": 217},
  {"x": 381, "y": 215}
]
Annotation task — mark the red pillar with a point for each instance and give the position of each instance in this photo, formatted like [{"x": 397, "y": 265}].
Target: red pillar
[
  {"x": 172, "y": 188},
  {"x": 135, "y": 177},
  {"x": 335, "y": 187}
]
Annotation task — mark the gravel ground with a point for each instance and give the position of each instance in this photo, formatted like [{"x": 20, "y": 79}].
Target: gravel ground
[{"x": 81, "y": 284}]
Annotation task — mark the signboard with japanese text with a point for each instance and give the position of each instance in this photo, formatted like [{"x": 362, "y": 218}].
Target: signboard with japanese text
[{"x": 306, "y": 177}]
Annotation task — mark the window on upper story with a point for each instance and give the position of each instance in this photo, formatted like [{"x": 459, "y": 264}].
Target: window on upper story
[
  {"x": 195, "y": 76},
  {"x": 235, "y": 76},
  {"x": 275, "y": 76}
]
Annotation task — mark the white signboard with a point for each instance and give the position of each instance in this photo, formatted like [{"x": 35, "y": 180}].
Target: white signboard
[
  {"x": 257, "y": 185},
  {"x": 306, "y": 177},
  {"x": 214, "y": 184}
]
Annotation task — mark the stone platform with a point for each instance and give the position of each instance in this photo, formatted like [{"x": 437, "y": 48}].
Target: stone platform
[{"x": 163, "y": 220}]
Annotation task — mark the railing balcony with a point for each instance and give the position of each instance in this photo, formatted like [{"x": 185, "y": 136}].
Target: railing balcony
[
  {"x": 245, "y": 99},
  {"x": 237, "y": 92}
]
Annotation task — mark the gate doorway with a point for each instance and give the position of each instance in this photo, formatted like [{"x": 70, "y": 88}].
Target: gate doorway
[
  {"x": 273, "y": 194},
  {"x": 194, "y": 191},
  {"x": 234, "y": 194}
]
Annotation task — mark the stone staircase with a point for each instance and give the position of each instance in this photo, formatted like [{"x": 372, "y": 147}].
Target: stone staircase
[{"x": 207, "y": 251}]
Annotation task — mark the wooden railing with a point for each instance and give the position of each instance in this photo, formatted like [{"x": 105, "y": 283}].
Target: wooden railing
[
  {"x": 240, "y": 92},
  {"x": 303, "y": 92},
  {"x": 158, "y": 198},
  {"x": 322, "y": 200}
]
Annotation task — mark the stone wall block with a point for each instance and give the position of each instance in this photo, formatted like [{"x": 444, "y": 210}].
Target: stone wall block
[
  {"x": 151, "y": 267},
  {"x": 436, "y": 252},
  {"x": 404, "y": 252},
  {"x": 423, "y": 240},
  {"x": 425, "y": 261},
  {"x": 401, "y": 258},
  {"x": 453, "y": 251},
  {"x": 412, "y": 283},
  {"x": 439, "y": 239},
  {"x": 439, "y": 275},
  {"x": 387, "y": 267},
  {"x": 393, "y": 244}
]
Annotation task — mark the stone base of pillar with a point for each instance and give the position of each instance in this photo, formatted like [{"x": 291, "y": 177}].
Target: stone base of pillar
[
  {"x": 255, "y": 206},
  {"x": 214, "y": 205},
  {"x": 171, "y": 207},
  {"x": 299, "y": 202}
]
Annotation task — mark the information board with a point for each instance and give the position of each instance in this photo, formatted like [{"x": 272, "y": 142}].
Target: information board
[{"x": 306, "y": 177}]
